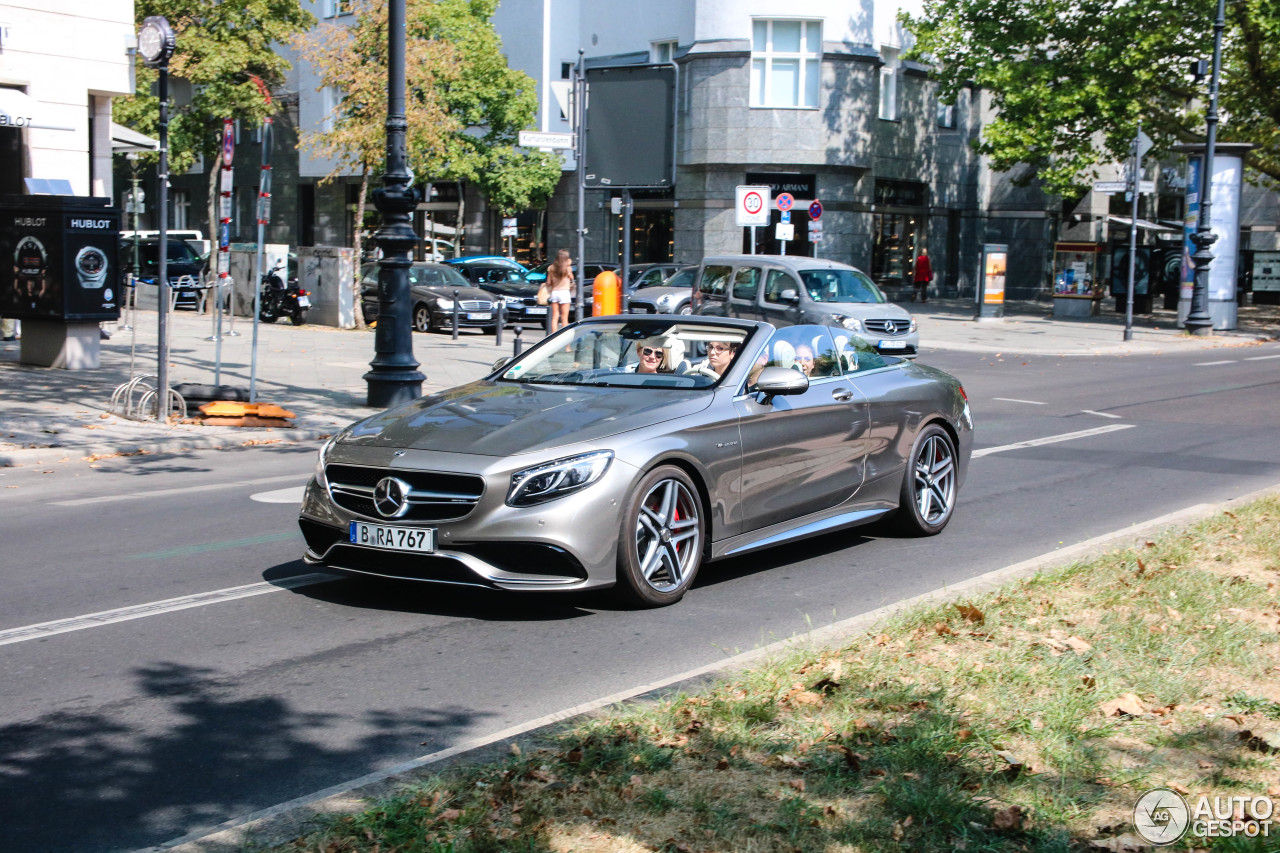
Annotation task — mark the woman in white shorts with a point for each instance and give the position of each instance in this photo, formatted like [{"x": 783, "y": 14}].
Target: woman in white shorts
[{"x": 560, "y": 282}]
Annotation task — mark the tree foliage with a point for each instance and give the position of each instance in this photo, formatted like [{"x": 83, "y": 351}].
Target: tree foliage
[
  {"x": 1069, "y": 79},
  {"x": 221, "y": 46}
]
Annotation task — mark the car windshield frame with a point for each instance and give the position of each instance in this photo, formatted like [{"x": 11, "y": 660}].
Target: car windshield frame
[
  {"x": 840, "y": 286},
  {"x": 606, "y": 354}
]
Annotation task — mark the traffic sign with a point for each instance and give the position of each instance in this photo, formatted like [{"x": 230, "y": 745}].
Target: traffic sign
[
  {"x": 786, "y": 216},
  {"x": 815, "y": 211},
  {"x": 785, "y": 201},
  {"x": 785, "y": 231},
  {"x": 228, "y": 143},
  {"x": 1144, "y": 187},
  {"x": 539, "y": 139},
  {"x": 752, "y": 206}
]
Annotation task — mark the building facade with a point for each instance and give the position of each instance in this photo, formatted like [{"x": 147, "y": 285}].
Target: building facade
[{"x": 61, "y": 63}]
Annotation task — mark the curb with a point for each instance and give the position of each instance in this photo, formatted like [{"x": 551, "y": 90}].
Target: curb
[
  {"x": 158, "y": 445},
  {"x": 286, "y": 821}
]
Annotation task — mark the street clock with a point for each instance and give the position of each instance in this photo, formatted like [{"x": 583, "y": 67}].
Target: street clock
[{"x": 156, "y": 41}]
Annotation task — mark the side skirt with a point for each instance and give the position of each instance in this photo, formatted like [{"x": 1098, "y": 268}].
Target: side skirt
[{"x": 801, "y": 528}]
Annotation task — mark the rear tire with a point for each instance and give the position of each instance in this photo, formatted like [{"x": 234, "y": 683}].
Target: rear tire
[
  {"x": 928, "y": 496},
  {"x": 298, "y": 317},
  {"x": 661, "y": 539}
]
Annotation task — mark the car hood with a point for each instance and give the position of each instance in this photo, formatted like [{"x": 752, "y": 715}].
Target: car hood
[
  {"x": 656, "y": 292},
  {"x": 866, "y": 309},
  {"x": 502, "y": 418},
  {"x": 446, "y": 292}
]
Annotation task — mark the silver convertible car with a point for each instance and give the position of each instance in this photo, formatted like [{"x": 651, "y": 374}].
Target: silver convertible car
[{"x": 629, "y": 450}]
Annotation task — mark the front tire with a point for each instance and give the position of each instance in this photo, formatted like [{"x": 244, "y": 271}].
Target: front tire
[
  {"x": 928, "y": 496},
  {"x": 660, "y": 543},
  {"x": 421, "y": 318},
  {"x": 685, "y": 310}
]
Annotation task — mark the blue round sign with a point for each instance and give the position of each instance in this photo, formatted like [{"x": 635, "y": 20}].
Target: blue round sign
[
  {"x": 815, "y": 210},
  {"x": 785, "y": 201}
]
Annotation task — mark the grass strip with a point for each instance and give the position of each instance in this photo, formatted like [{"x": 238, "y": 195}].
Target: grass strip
[{"x": 1029, "y": 719}]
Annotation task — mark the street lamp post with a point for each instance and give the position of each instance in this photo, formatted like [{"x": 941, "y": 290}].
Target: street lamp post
[
  {"x": 394, "y": 377},
  {"x": 1198, "y": 321},
  {"x": 156, "y": 43}
]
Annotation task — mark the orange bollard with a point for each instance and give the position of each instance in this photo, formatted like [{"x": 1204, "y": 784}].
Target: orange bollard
[{"x": 606, "y": 294}]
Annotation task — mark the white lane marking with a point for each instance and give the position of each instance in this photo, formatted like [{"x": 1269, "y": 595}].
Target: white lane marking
[
  {"x": 1052, "y": 439},
  {"x": 154, "y": 608},
  {"x": 178, "y": 491},
  {"x": 1028, "y": 402},
  {"x": 291, "y": 495},
  {"x": 1261, "y": 357},
  {"x": 1212, "y": 363},
  {"x": 1099, "y": 414}
]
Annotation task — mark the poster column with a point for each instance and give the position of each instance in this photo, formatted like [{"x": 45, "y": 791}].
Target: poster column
[
  {"x": 1224, "y": 221},
  {"x": 991, "y": 281}
]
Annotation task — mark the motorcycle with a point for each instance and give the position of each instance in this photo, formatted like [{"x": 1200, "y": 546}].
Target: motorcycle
[{"x": 281, "y": 300}]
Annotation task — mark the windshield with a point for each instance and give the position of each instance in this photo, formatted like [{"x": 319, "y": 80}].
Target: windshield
[
  {"x": 435, "y": 275},
  {"x": 840, "y": 286},
  {"x": 640, "y": 354}
]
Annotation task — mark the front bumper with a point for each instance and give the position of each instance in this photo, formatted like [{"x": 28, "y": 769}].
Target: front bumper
[{"x": 569, "y": 543}]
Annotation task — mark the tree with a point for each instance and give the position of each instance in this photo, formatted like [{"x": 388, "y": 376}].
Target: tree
[
  {"x": 353, "y": 61},
  {"x": 492, "y": 103},
  {"x": 1069, "y": 79},
  {"x": 222, "y": 45}
]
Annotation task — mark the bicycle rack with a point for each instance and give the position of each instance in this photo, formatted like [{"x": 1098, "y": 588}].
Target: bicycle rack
[{"x": 136, "y": 399}]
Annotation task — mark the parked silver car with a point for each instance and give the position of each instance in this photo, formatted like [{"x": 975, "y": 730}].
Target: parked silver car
[
  {"x": 786, "y": 289},
  {"x": 671, "y": 295},
  {"x": 629, "y": 450}
]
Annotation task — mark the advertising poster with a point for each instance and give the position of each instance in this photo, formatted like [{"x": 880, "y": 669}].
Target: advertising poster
[
  {"x": 1224, "y": 218},
  {"x": 1266, "y": 272},
  {"x": 90, "y": 258},
  {"x": 995, "y": 262},
  {"x": 30, "y": 284}
]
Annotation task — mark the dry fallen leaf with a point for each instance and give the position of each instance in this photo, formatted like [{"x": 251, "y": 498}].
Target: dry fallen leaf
[
  {"x": 1008, "y": 820},
  {"x": 1077, "y": 645},
  {"x": 1127, "y": 843},
  {"x": 1127, "y": 704},
  {"x": 971, "y": 614}
]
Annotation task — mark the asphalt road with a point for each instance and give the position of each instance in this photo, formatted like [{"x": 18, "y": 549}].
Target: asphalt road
[{"x": 214, "y": 676}]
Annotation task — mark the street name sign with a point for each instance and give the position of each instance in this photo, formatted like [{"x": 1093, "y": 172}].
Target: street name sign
[{"x": 540, "y": 139}]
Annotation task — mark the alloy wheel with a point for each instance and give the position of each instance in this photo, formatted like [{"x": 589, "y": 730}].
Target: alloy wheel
[
  {"x": 668, "y": 539},
  {"x": 935, "y": 480}
]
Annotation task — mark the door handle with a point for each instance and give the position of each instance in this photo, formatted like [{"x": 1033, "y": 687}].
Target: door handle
[{"x": 842, "y": 395}]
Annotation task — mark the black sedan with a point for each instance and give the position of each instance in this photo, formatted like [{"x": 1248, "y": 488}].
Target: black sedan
[{"x": 434, "y": 287}]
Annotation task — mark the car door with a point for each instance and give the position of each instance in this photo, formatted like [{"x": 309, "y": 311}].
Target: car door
[
  {"x": 801, "y": 453},
  {"x": 889, "y": 404},
  {"x": 775, "y": 308},
  {"x": 744, "y": 293}
]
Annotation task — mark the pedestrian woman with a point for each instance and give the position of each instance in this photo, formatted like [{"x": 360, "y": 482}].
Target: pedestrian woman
[
  {"x": 923, "y": 275},
  {"x": 560, "y": 283}
]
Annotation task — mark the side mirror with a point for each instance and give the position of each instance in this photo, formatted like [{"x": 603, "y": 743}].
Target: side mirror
[
  {"x": 780, "y": 381},
  {"x": 789, "y": 296},
  {"x": 502, "y": 362}
]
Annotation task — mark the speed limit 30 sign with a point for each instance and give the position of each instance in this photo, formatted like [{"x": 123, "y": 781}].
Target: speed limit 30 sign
[{"x": 752, "y": 206}]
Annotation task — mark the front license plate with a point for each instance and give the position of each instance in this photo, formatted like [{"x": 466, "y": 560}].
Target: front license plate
[
  {"x": 541, "y": 309},
  {"x": 892, "y": 345},
  {"x": 304, "y": 302},
  {"x": 420, "y": 539},
  {"x": 480, "y": 315}
]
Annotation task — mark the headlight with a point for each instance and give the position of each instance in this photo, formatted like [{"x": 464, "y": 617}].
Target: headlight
[
  {"x": 912, "y": 327},
  {"x": 853, "y": 324},
  {"x": 557, "y": 479},
  {"x": 444, "y": 304},
  {"x": 321, "y": 458},
  {"x": 667, "y": 299}
]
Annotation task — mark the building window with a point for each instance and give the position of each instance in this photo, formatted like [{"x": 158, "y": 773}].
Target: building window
[
  {"x": 785, "y": 60},
  {"x": 181, "y": 209},
  {"x": 889, "y": 73},
  {"x": 330, "y": 102},
  {"x": 662, "y": 51},
  {"x": 946, "y": 116},
  {"x": 336, "y": 8}
]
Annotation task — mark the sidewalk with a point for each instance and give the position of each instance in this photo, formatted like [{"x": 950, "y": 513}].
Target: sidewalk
[{"x": 48, "y": 415}]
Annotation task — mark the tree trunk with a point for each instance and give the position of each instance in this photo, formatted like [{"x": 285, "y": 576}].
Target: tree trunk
[
  {"x": 214, "y": 242},
  {"x": 359, "y": 247}
]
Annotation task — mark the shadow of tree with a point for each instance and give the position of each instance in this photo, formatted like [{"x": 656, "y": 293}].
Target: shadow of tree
[{"x": 82, "y": 781}]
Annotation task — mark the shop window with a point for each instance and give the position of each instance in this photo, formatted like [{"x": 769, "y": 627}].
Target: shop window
[
  {"x": 786, "y": 58},
  {"x": 893, "y": 250}
]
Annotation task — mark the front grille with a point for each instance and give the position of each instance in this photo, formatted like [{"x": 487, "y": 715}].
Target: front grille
[
  {"x": 881, "y": 327},
  {"x": 392, "y": 564},
  {"x": 475, "y": 305},
  {"x": 433, "y": 495}
]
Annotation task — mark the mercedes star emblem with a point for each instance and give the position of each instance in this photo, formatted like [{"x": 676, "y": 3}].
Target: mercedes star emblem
[
  {"x": 390, "y": 497},
  {"x": 890, "y": 327}
]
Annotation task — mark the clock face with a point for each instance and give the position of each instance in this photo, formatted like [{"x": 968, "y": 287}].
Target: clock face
[{"x": 150, "y": 41}]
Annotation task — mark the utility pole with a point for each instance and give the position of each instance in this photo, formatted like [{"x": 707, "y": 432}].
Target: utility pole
[{"x": 1198, "y": 321}]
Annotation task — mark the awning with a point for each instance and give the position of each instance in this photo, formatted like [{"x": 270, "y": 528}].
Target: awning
[
  {"x": 124, "y": 140},
  {"x": 1142, "y": 223},
  {"x": 18, "y": 109}
]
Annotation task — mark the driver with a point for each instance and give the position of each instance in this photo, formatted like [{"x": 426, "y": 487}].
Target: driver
[{"x": 719, "y": 356}]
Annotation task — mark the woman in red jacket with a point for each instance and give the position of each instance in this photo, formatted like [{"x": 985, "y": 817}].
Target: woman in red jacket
[{"x": 923, "y": 275}]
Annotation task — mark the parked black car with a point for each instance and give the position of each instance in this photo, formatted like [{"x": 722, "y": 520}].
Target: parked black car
[
  {"x": 434, "y": 287},
  {"x": 185, "y": 268}
]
